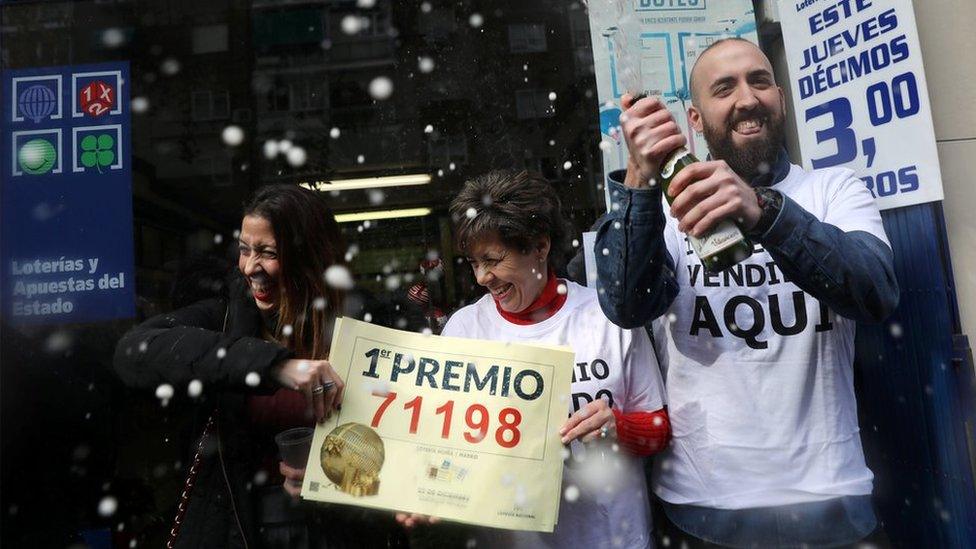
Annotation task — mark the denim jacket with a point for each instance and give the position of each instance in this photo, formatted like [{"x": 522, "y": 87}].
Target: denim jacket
[{"x": 851, "y": 272}]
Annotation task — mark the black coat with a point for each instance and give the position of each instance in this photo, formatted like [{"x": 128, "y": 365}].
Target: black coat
[{"x": 216, "y": 341}]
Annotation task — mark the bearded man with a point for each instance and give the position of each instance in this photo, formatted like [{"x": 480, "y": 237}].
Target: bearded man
[{"x": 758, "y": 358}]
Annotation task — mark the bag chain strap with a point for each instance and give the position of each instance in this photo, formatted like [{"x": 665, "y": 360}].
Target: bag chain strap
[{"x": 191, "y": 478}]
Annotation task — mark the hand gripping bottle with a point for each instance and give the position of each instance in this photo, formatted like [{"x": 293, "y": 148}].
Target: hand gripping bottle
[{"x": 722, "y": 246}]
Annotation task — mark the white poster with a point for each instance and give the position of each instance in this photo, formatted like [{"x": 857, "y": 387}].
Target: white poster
[
  {"x": 860, "y": 95},
  {"x": 664, "y": 38}
]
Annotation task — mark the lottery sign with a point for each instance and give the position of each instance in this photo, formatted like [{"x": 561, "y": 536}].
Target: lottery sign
[
  {"x": 439, "y": 426},
  {"x": 860, "y": 96},
  {"x": 66, "y": 252},
  {"x": 97, "y": 98}
]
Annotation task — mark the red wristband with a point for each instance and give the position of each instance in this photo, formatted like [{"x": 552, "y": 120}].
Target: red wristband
[{"x": 643, "y": 433}]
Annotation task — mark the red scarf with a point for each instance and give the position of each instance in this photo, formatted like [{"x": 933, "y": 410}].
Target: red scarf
[
  {"x": 641, "y": 433},
  {"x": 544, "y": 306}
]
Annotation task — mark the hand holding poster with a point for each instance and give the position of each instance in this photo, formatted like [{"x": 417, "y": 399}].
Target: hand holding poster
[
  {"x": 860, "y": 95},
  {"x": 443, "y": 427}
]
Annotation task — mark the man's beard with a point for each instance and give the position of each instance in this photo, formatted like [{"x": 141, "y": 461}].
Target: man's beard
[{"x": 755, "y": 157}]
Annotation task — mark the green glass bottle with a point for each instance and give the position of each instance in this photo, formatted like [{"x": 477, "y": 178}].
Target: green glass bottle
[{"x": 725, "y": 244}]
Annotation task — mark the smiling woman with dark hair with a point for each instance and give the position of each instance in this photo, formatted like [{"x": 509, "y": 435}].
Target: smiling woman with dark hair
[
  {"x": 257, "y": 358},
  {"x": 305, "y": 241}
]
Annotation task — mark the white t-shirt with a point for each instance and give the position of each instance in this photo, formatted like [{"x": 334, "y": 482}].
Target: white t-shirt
[
  {"x": 759, "y": 374},
  {"x": 611, "y": 508}
]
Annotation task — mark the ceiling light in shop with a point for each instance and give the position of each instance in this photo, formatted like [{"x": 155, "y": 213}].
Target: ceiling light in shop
[
  {"x": 368, "y": 182},
  {"x": 382, "y": 214}
]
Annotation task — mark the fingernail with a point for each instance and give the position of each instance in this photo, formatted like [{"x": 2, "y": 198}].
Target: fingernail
[{"x": 565, "y": 440}]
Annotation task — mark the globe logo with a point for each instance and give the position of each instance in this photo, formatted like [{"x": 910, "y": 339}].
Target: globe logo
[
  {"x": 37, "y": 102},
  {"x": 37, "y": 156}
]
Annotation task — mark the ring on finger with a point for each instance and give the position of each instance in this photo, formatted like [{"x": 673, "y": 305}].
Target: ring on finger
[
  {"x": 318, "y": 389},
  {"x": 604, "y": 431},
  {"x": 328, "y": 385}
]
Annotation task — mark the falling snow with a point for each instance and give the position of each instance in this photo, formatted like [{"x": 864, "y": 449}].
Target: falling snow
[
  {"x": 170, "y": 66},
  {"x": 195, "y": 388},
  {"x": 164, "y": 391},
  {"x": 381, "y": 88},
  {"x": 296, "y": 156},
  {"x": 338, "y": 277},
  {"x": 376, "y": 197},
  {"x": 58, "y": 342},
  {"x": 107, "y": 506},
  {"x": 139, "y": 105},
  {"x": 351, "y": 24},
  {"x": 113, "y": 37},
  {"x": 232, "y": 136}
]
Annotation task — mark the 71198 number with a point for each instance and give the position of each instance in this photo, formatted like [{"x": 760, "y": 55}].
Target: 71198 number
[{"x": 476, "y": 417}]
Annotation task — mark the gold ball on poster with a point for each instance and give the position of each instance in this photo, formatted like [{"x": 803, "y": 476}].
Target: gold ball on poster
[{"x": 352, "y": 456}]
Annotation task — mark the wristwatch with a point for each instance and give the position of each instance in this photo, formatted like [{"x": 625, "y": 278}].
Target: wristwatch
[{"x": 771, "y": 202}]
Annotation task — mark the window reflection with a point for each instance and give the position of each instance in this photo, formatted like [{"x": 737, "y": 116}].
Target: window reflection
[{"x": 227, "y": 97}]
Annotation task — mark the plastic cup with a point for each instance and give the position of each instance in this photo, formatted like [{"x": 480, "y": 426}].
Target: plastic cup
[{"x": 294, "y": 446}]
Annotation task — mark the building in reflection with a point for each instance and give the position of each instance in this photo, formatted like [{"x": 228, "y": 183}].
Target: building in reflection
[{"x": 471, "y": 87}]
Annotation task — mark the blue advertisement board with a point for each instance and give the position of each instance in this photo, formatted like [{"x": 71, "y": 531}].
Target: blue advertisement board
[{"x": 66, "y": 191}]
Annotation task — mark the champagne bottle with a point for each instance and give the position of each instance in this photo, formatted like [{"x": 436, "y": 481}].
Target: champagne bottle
[{"x": 722, "y": 246}]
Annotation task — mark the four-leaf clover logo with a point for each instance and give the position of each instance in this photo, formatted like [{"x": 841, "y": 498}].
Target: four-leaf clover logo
[{"x": 98, "y": 151}]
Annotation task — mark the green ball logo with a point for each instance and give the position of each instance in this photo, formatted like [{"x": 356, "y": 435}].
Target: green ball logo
[{"x": 37, "y": 156}]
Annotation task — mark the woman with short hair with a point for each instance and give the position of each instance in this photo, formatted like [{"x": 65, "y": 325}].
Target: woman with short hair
[{"x": 511, "y": 229}]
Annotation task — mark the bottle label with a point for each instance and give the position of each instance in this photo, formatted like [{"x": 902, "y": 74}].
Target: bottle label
[
  {"x": 724, "y": 235},
  {"x": 668, "y": 169}
]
